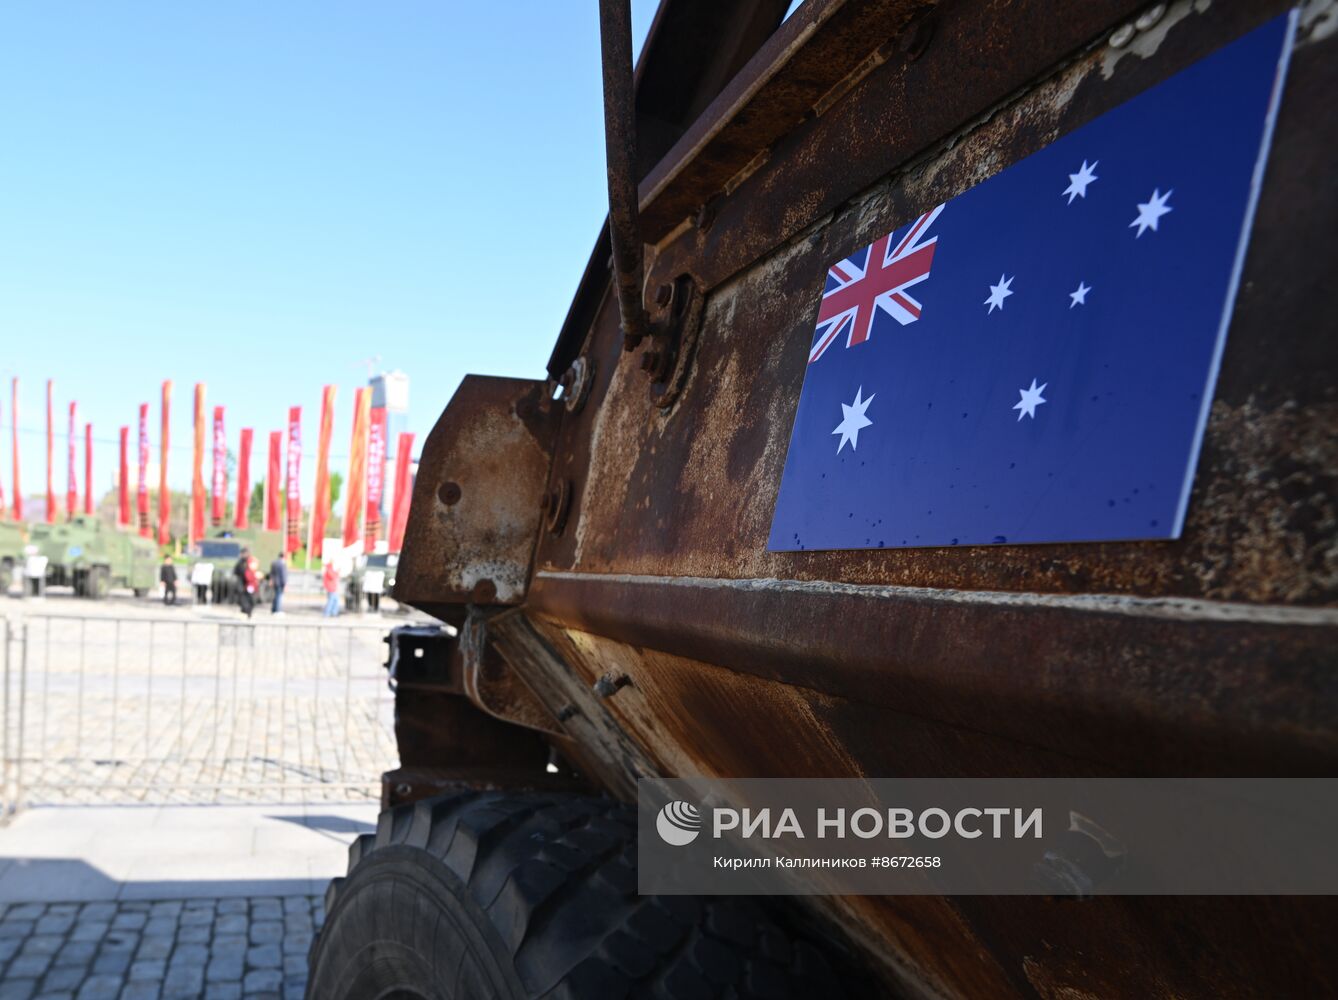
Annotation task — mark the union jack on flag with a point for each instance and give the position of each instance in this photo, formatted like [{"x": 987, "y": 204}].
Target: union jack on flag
[{"x": 855, "y": 291}]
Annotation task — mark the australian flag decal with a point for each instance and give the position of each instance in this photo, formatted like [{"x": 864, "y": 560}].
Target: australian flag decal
[{"x": 1034, "y": 360}]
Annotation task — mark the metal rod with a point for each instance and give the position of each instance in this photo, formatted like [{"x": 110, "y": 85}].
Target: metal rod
[
  {"x": 116, "y": 686},
  {"x": 181, "y": 715},
  {"x": 46, "y": 691},
  {"x": 615, "y": 38},
  {"x": 6, "y": 808},
  {"x": 23, "y": 699},
  {"x": 348, "y": 702},
  {"x": 283, "y": 702},
  {"x": 148, "y": 701},
  {"x": 79, "y": 698}
]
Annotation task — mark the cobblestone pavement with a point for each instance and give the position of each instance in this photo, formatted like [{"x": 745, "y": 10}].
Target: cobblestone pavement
[
  {"x": 210, "y": 948},
  {"x": 190, "y": 709}
]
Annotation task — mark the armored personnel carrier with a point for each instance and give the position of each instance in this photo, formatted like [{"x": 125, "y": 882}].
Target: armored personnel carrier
[
  {"x": 222, "y": 547},
  {"x": 92, "y": 556},
  {"x": 13, "y": 536},
  {"x": 831, "y": 476}
]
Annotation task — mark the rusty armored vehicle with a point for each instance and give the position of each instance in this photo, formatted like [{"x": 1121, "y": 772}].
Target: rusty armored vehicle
[{"x": 599, "y": 542}]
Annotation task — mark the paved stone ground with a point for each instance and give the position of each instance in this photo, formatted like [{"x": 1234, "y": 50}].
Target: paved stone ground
[
  {"x": 130, "y": 704},
  {"x": 210, "y": 948}
]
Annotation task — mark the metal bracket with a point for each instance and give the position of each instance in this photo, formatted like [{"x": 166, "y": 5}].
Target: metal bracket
[{"x": 674, "y": 331}]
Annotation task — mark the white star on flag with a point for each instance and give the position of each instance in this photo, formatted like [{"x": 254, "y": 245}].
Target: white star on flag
[
  {"x": 1080, "y": 296},
  {"x": 1150, "y": 211},
  {"x": 853, "y": 421},
  {"x": 1078, "y": 182},
  {"x": 1031, "y": 398},
  {"x": 999, "y": 292}
]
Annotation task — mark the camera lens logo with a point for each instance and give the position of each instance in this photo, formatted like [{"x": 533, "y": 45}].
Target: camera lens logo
[{"x": 678, "y": 823}]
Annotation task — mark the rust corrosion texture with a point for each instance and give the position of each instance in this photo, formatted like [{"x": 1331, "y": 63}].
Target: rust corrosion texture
[
  {"x": 1213, "y": 654},
  {"x": 475, "y": 508}
]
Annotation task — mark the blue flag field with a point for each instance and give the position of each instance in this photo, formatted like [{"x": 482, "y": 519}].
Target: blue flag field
[{"x": 1034, "y": 360}]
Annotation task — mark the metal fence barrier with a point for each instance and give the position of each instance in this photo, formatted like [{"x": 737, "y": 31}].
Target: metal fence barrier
[{"x": 131, "y": 710}]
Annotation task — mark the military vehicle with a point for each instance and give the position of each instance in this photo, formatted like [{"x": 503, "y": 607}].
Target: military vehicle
[
  {"x": 12, "y": 539},
  {"x": 598, "y": 543},
  {"x": 92, "y": 556},
  {"x": 222, "y": 547},
  {"x": 381, "y": 565}
]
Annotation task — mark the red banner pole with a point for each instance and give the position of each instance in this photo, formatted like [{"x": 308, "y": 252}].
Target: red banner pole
[
  {"x": 376, "y": 476},
  {"x": 294, "y": 471},
  {"x": 195, "y": 529},
  {"x": 403, "y": 490},
  {"x": 165, "y": 497},
  {"x": 357, "y": 468},
  {"x": 123, "y": 481},
  {"x": 272, "y": 473},
  {"x": 71, "y": 460},
  {"x": 320, "y": 503},
  {"x": 241, "y": 513},
  {"x": 142, "y": 484},
  {"x": 218, "y": 485}
]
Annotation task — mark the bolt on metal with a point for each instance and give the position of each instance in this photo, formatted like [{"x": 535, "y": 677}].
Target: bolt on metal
[{"x": 610, "y": 684}]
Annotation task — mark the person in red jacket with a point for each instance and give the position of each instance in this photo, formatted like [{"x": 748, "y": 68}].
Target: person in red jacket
[
  {"x": 248, "y": 580},
  {"x": 330, "y": 581}
]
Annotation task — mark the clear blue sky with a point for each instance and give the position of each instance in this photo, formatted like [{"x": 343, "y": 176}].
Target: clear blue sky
[{"x": 260, "y": 195}]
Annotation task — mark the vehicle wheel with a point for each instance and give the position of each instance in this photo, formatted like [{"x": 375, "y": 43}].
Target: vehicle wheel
[
  {"x": 99, "y": 583},
  {"x": 141, "y": 591},
  {"x": 6, "y": 575},
  {"x": 79, "y": 581},
  {"x": 491, "y": 894}
]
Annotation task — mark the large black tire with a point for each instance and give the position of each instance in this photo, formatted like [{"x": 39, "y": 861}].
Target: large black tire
[
  {"x": 99, "y": 583},
  {"x": 493, "y": 894}
]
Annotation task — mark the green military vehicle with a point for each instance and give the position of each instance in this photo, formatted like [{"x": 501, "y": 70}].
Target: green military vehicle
[
  {"x": 92, "y": 556},
  {"x": 11, "y": 552},
  {"x": 373, "y": 577},
  {"x": 222, "y": 547}
]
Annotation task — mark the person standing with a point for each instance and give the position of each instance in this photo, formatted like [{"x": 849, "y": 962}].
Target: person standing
[
  {"x": 278, "y": 579},
  {"x": 168, "y": 575},
  {"x": 330, "y": 581},
  {"x": 245, "y": 582},
  {"x": 201, "y": 576}
]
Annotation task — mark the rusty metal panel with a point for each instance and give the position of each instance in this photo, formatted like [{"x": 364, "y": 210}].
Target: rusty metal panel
[
  {"x": 691, "y": 492},
  {"x": 699, "y": 719},
  {"x": 476, "y": 509},
  {"x": 1213, "y": 654}
]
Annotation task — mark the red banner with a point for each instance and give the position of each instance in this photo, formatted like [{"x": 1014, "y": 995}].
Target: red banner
[
  {"x": 123, "y": 481},
  {"x": 71, "y": 480},
  {"x": 50, "y": 454},
  {"x": 219, "y": 481},
  {"x": 164, "y": 496},
  {"x": 272, "y": 481},
  {"x": 195, "y": 526},
  {"x": 357, "y": 468},
  {"x": 399, "y": 516},
  {"x": 142, "y": 486},
  {"x": 320, "y": 503},
  {"x": 242, "y": 511},
  {"x": 14, "y": 443},
  {"x": 376, "y": 476},
  {"x": 294, "y": 540},
  {"x": 88, "y": 468}
]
